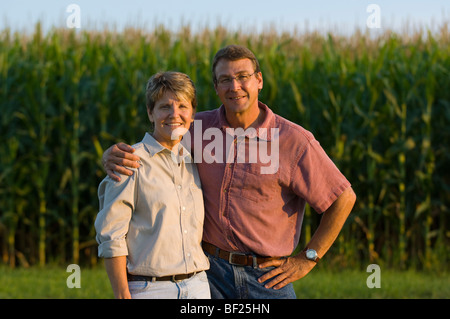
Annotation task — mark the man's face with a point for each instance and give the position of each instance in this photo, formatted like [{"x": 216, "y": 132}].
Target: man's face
[{"x": 238, "y": 85}]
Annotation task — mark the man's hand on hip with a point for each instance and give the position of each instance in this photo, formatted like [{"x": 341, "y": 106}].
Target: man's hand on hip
[{"x": 288, "y": 270}]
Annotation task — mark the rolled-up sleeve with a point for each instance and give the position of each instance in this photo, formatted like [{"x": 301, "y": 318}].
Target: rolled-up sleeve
[
  {"x": 317, "y": 179},
  {"x": 116, "y": 205}
]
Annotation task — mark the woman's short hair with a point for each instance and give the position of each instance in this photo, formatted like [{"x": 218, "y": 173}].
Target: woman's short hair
[{"x": 178, "y": 83}]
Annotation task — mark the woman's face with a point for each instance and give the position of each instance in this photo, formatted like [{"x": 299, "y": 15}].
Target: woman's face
[{"x": 172, "y": 118}]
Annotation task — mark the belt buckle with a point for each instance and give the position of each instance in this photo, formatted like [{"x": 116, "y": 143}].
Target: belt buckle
[{"x": 230, "y": 259}]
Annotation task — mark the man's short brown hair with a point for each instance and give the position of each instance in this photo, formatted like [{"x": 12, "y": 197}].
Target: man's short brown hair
[{"x": 233, "y": 53}]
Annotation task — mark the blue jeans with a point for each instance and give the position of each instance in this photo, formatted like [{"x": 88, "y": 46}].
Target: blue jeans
[
  {"x": 241, "y": 282},
  {"x": 195, "y": 287}
]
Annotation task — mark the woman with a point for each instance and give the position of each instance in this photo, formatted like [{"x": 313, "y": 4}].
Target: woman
[{"x": 150, "y": 224}]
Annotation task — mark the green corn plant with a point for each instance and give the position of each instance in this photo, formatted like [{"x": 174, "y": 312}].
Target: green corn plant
[{"x": 378, "y": 105}]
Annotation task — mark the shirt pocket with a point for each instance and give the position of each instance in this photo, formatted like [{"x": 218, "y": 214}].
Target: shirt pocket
[{"x": 259, "y": 187}]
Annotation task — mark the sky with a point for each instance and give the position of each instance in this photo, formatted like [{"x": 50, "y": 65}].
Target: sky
[{"x": 285, "y": 15}]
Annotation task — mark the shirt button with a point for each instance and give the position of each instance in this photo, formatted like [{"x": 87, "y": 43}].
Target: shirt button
[
  {"x": 185, "y": 231},
  {"x": 179, "y": 186},
  {"x": 183, "y": 208}
]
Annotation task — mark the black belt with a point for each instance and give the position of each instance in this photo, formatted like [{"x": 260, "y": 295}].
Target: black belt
[
  {"x": 235, "y": 258},
  {"x": 173, "y": 278}
]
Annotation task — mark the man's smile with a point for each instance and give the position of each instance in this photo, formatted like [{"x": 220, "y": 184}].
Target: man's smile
[{"x": 237, "y": 97}]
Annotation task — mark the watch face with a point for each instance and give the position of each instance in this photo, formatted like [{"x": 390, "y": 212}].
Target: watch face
[{"x": 311, "y": 254}]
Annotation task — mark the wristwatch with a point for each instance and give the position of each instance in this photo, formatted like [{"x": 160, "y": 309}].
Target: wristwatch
[{"x": 311, "y": 254}]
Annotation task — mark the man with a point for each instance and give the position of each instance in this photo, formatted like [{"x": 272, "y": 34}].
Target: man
[{"x": 253, "y": 220}]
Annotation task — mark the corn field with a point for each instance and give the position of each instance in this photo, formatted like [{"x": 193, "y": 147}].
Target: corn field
[{"x": 380, "y": 107}]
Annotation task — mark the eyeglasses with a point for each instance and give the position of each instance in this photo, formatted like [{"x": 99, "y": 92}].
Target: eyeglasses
[{"x": 241, "y": 78}]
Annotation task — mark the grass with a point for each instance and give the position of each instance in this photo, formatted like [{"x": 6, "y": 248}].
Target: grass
[
  {"x": 50, "y": 283},
  {"x": 352, "y": 284}
]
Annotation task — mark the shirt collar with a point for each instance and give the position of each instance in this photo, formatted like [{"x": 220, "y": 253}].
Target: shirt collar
[
  {"x": 262, "y": 131},
  {"x": 153, "y": 147}
]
